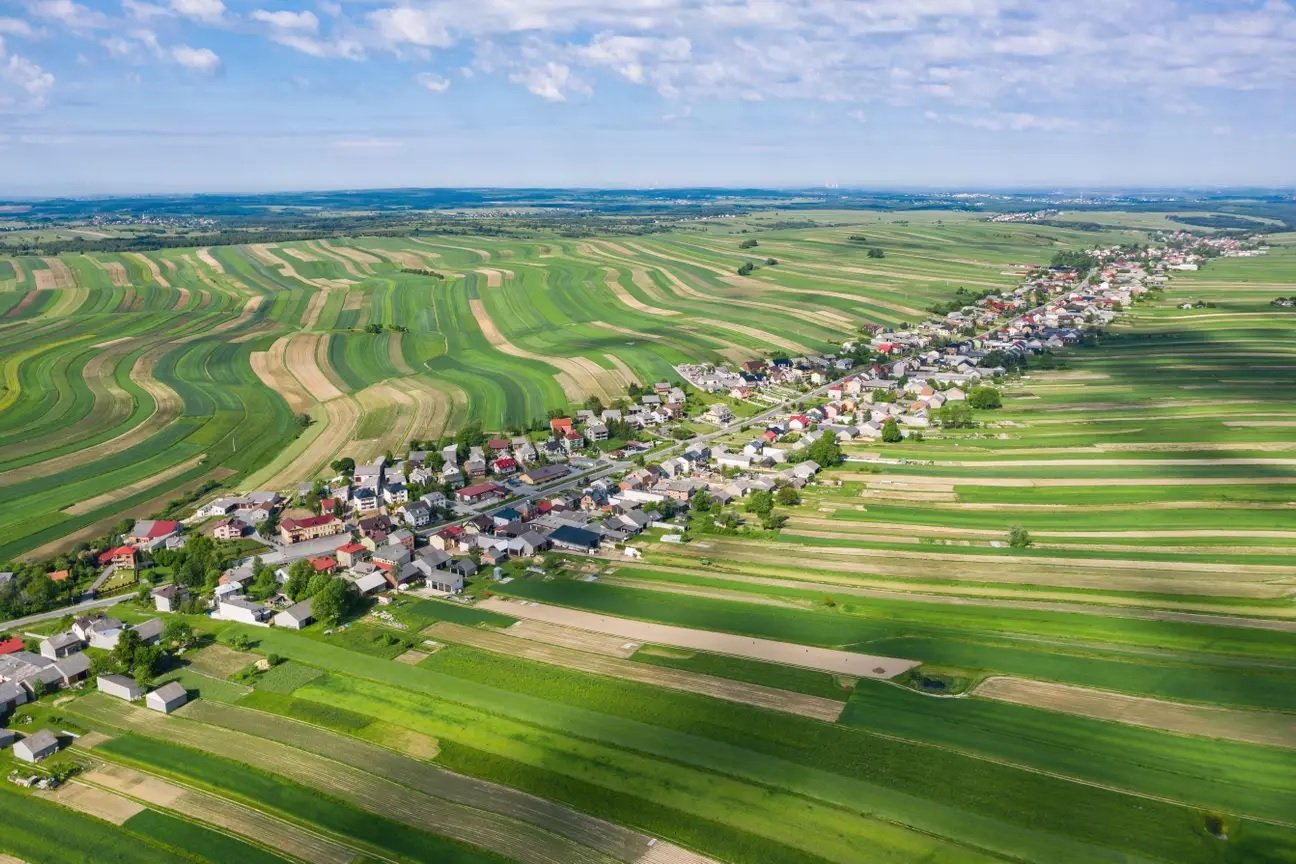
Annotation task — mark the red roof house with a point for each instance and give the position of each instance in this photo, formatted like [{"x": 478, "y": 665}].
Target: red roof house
[
  {"x": 10, "y": 645},
  {"x": 560, "y": 425},
  {"x": 59, "y": 576},
  {"x": 122, "y": 556}
]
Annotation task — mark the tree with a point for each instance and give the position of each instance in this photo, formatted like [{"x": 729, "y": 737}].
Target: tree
[
  {"x": 595, "y": 404},
  {"x": 304, "y": 420},
  {"x": 702, "y": 501},
  {"x": 345, "y": 465},
  {"x": 891, "y": 431},
  {"x": 317, "y": 583},
  {"x": 875, "y": 252},
  {"x": 299, "y": 576},
  {"x": 771, "y": 262},
  {"x": 788, "y": 496},
  {"x": 985, "y": 398},
  {"x": 955, "y": 415},
  {"x": 748, "y": 244},
  {"x": 761, "y": 503},
  {"x": 1018, "y": 537},
  {"x": 746, "y": 269},
  {"x": 332, "y": 601},
  {"x": 825, "y": 451},
  {"x": 123, "y": 653},
  {"x": 264, "y": 582},
  {"x": 177, "y": 632}
]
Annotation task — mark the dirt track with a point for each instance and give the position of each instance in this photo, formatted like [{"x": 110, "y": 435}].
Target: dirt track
[
  {"x": 767, "y": 650},
  {"x": 1254, "y": 727},
  {"x": 660, "y": 676}
]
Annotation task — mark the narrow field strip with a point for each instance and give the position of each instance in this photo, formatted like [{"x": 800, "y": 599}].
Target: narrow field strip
[
  {"x": 786, "y": 653},
  {"x": 96, "y": 802},
  {"x": 518, "y": 645},
  {"x": 1251, "y": 727}
]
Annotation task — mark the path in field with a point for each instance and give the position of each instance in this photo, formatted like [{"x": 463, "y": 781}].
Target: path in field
[
  {"x": 518, "y": 825},
  {"x": 1252, "y": 727},
  {"x": 768, "y": 650},
  {"x": 518, "y": 645},
  {"x": 220, "y": 812}
]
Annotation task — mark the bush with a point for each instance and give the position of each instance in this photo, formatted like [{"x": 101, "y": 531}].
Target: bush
[
  {"x": 1018, "y": 537},
  {"x": 985, "y": 398},
  {"x": 891, "y": 431},
  {"x": 748, "y": 244},
  {"x": 875, "y": 252}
]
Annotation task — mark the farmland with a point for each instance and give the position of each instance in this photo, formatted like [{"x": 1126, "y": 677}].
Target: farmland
[
  {"x": 132, "y": 380},
  {"x": 885, "y": 676}
]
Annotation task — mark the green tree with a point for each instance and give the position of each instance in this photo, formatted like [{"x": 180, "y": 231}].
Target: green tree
[
  {"x": 825, "y": 451},
  {"x": 748, "y": 244},
  {"x": 760, "y": 502},
  {"x": 123, "y": 653},
  {"x": 746, "y": 269},
  {"x": 304, "y": 420},
  {"x": 891, "y": 431},
  {"x": 955, "y": 415},
  {"x": 788, "y": 496},
  {"x": 330, "y": 604},
  {"x": 876, "y": 252},
  {"x": 299, "y": 576},
  {"x": 1018, "y": 537},
  {"x": 985, "y": 398},
  {"x": 702, "y": 501},
  {"x": 595, "y": 404},
  {"x": 177, "y": 632},
  {"x": 264, "y": 583}
]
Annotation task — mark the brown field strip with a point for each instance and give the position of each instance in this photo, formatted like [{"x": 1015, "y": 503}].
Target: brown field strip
[
  {"x": 302, "y": 360},
  {"x": 1252, "y": 727},
  {"x": 89, "y": 505},
  {"x": 205, "y": 256},
  {"x": 760, "y": 696},
  {"x": 341, "y": 417},
  {"x": 768, "y": 650},
  {"x": 518, "y": 826},
  {"x": 574, "y": 379},
  {"x": 570, "y": 637},
  {"x": 611, "y": 278},
  {"x": 843, "y": 527},
  {"x": 359, "y": 256},
  {"x": 99, "y": 803},
  {"x": 348, "y": 265},
  {"x": 271, "y": 368},
  {"x": 228, "y": 815},
  {"x": 151, "y": 266},
  {"x": 116, "y": 273},
  {"x": 219, "y": 661}
]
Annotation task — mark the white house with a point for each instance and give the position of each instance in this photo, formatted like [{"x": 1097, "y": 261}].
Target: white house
[
  {"x": 167, "y": 698},
  {"x": 36, "y": 746},
  {"x": 296, "y": 616},
  {"x": 119, "y": 686}
]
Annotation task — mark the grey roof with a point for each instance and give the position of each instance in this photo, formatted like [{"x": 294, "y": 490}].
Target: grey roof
[
  {"x": 11, "y": 691},
  {"x": 63, "y": 640},
  {"x": 42, "y": 740},
  {"x": 73, "y": 664},
  {"x": 149, "y": 629},
  {"x": 7, "y": 737},
  {"x": 170, "y": 691},
  {"x": 371, "y": 581},
  {"x": 119, "y": 680},
  {"x": 300, "y": 611}
]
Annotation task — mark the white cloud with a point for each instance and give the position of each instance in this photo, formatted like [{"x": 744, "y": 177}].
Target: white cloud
[
  {"x": 552, "y": 81},
  {"x": 203, "y": 10},
  {"x": 288, "y": 20},
  {"x": 201, "y": 59},
  {"x": 368, "y": 144},
  {"x": 23, "y": 83},
  {"x": 435, "y": 83},
  {"x": 405, "y": 25},
  {"x": 72, "y": 15},
  {"x": 15, "y": 27}
]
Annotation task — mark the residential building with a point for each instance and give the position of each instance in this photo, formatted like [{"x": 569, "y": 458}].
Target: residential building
[
  {"x": 309, "y": 528},
  {"x": 36, "y": 746},
  {"x": 296, "y": 616}
]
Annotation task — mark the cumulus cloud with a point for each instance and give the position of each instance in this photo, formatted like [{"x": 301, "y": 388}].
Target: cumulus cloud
[
  {"x": 15, "y": 27},
  {"x": 288, "y": 20},
  {"x": 552, "y": 81},
  {"x": 203, "y": 10},
  {"x": 200, "y": 59},
  {"x": 23, "y": 83},
  {"x": 407, "y": 25},
  {"x": 435, "y": 83}
]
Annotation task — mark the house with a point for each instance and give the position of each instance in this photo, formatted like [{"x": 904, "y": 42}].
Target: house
[
  {"x": 167, "y": 598},
  {"x": 120, "y": 686},
  {"x": 230, "y": 529},
  {"x": 479, "y": 492},
  {"x": 529, "y": 543},
  {"x": 122, "y": 557},
  {"x": 544, "y": 474},
  {"x": 416, "y": 514},
  {"x": 560, "y": 426},
  {"x": 309, "y": 528},
  {"x": 167, "y": 698},
  {"x": 805, "y": 470},
  {"x": 99, "y": 630},
  {"x": 59, "y": 576},
  {"x": 296, "y": 616},
  {"x": 370, "y": 583},
  {"x": 149, "y": 632},
  {"x": 395, "y": 493},
  {"x": 324, "y": 564},
  {"x": 236, "y": 607},
  {"x": 463, "y": 567},
  {"x": 376, "y": 528},
  {"x": 572, "y": 539},
  {"x": 149, "y": 534},
  {"x": 350, "y": 554},
  {"x": 573, "y": 440},
  {"x": 505, "y": 465},
  {"x": 36, "y": 746},
  {"x": 596, "y": 432},
  {"x": 14, "y": 644},
  {"x": 12, "y": 695}
]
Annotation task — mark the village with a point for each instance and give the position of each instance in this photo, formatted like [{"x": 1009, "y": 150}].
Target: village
[{"x": 434, "y": 520}]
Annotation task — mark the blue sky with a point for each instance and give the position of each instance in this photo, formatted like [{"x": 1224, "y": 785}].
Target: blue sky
[{"x": 124, "y": 96}]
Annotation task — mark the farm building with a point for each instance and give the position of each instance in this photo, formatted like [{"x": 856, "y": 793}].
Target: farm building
[
  {"x": 574, "y": 539},
  {"x": 12, "y": 695},
  {"x": 150, "y": 631},
  {"x": 167, "y": 698},
  {"x": 370, "y": 583},
  {"x": 119, "y": 686},
  {"x": 60, "y": 645},
  {"x": 11, "y": 645},
  {"x": 36, "y": 746},
  {"x": 7, "y": 737},
  {"x": 479, "y": 492},
  {"x": 296, "y": 616}
]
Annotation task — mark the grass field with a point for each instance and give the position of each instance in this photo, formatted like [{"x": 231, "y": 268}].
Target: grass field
[{"x": 129, "y": 381}]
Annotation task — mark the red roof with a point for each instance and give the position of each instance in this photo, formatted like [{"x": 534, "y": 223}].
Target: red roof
[
  {"x": 560, "y": 424},
  {"x": 328, "y": 503},
  {"x": 59, "y": 575},
  {"x": 351, "y": 548},
  {"x": 498, "y": 444},
  {"x": 478, "y": 489},
  {"x": 324, "y": 564},
  {"x": 161, "y": 528},
  {"x": 307, "y": 522},
  {"x": 573, "y": 435},
  {"x": 9, "y": 646},
  {"x": 106, "y": 557},
  {"x": 451, "y": 531},
  {"x": 385, "y": 566},
  {"x": 544, "y": 506},
  {"x": 506, "y": 463}
]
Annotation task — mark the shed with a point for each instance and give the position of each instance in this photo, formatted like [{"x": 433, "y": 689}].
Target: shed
[
  {"x": 574, "y": 539},
  {"x": 119, "y": 686},
  {"x": 36, "y": 746},
  {"x": 296, "y": 616},
  {"x": 167, "y": 698},
  {"x": 7, "y": 737}
]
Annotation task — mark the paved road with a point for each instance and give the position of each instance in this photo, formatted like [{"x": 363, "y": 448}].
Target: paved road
[{"x": 101, "y": 602}]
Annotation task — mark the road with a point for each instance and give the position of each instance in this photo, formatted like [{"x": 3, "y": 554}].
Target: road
[{"x": 74, "y": 609}]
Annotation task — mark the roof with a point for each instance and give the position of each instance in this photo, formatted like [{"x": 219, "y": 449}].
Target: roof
[
  {"x": 351, "y": 548},
  {"x": 150, "y": 628},
  {"x": 58, "y": 575},
  {"x": 60, "y": 640},
  {"x": 105, "y": 557},
  {"x": 371, "y": 581},
  {"x": 301, "y": 611},
  {"x": 152, "y": 529},
  {"x": 119, "y": 680},
  {"x": 9, "y": 646},
  {"x": 307, "y": 522},
  {"x": 479, "y": 489},
  {"x": 42, "y": 740},
  {"x": 575, "y": 536},
  {"x": 170, "y": 691},
  {"x": 325, "y": 563},
  {"x": 73, "y": 664}
]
